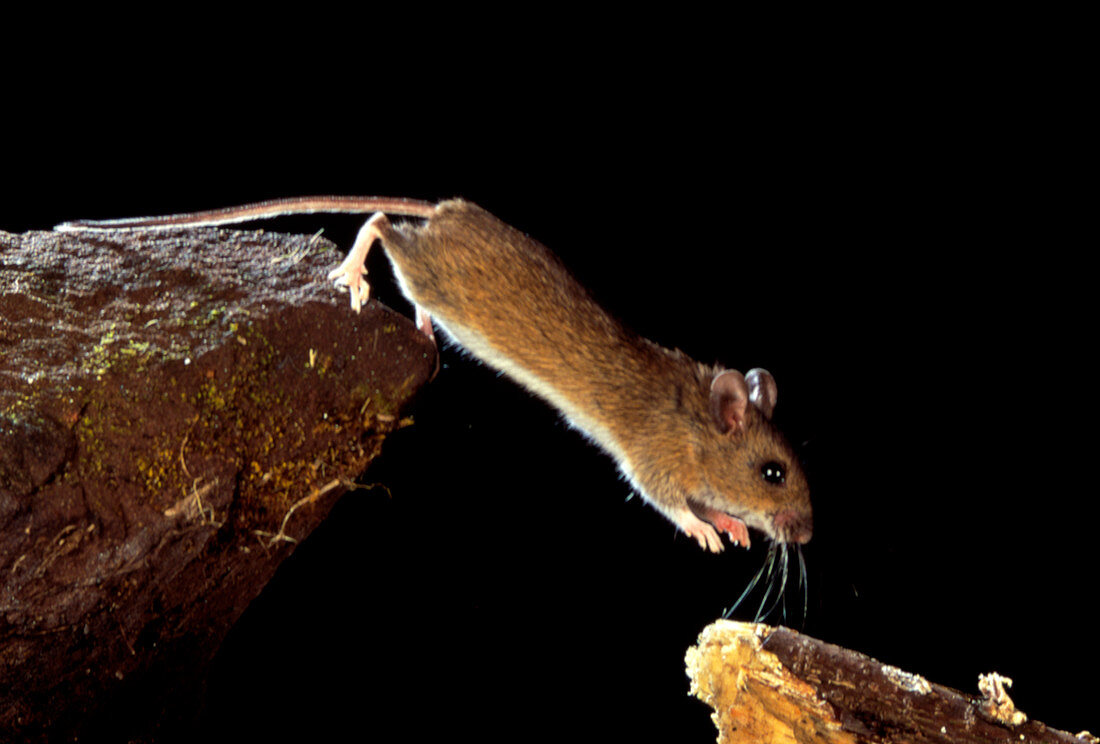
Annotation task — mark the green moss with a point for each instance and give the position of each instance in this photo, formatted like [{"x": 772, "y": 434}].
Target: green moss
[{"x": 240, "y": 412}]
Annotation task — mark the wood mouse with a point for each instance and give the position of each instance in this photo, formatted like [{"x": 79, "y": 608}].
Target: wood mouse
[{"x": 696, "y": 441}]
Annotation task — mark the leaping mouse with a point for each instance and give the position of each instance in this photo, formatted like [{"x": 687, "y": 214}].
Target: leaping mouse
[{"x": 696, "y": 441}]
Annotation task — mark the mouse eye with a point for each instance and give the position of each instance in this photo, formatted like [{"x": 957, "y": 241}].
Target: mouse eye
[{"x": 773, "y": 472}]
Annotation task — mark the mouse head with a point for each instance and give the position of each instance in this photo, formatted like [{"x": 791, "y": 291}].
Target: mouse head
[{"x": 749, "y": 470}]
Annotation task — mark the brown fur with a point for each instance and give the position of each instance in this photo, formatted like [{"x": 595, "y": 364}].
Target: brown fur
[{"x": 512, "y": 303}]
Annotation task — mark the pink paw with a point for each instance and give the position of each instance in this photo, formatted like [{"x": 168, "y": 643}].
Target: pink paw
[
  {"x": 350, "y": 274},
  {"x": 703, "y": 532},
  {"x": 732, "y": 526}
]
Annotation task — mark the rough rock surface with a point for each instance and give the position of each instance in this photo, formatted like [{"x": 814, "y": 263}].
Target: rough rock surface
[{"x": 176, "y": 410}]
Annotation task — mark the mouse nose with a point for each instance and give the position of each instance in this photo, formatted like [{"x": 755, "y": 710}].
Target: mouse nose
[{"x": 793, "y": 526}]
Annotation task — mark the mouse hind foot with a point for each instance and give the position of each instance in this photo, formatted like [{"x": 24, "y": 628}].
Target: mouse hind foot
[{"x": 352, "y": 271}]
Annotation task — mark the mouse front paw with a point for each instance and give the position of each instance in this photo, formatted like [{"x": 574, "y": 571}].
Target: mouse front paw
[
  {"x": 732, "y": 526},
  {"x": 703, "y": 532}
]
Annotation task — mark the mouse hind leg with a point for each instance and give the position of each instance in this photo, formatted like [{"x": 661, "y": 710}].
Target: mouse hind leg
[
  {"x": 352, "y": 271},
  {"x": 424, "y": 325},
  {"x": 424, "y": 322}
]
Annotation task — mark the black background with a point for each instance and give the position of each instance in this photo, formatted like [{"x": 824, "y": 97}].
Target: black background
[{"x": 887, "y": 234}]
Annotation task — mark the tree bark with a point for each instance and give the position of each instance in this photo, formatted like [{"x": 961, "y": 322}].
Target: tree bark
[{"x": 775, "y": 685}]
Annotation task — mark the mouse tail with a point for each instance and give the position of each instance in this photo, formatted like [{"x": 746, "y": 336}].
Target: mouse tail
[{"x": 263, "y": 210}]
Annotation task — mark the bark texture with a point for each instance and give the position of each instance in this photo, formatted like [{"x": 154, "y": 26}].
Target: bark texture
[{"x": 773, "y": 685}]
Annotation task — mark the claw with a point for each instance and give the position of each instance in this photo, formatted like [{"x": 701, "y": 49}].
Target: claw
[
  {"x": 736, "y": 529},
  {"x": 351, "y": 272},
  {"x": 703, "y": 532}
]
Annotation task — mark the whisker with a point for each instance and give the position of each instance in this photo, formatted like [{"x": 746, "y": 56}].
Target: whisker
[
  {"x": 775, "y": 571},
  {"x": 783, "y": 585},
  {"x": 748, "y": 589},
  {"x": 782, "y": 598},
  {"x": 768, "y": 589},
  {"x": 786, "y": 555},
  {"x": 781, "y": 578},
  {"x": 804, "y": 582},
  {"x": 771, "y": 579}
]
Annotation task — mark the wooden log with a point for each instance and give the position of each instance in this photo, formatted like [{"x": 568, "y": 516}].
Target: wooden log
[{"x": 774, "y": 685}]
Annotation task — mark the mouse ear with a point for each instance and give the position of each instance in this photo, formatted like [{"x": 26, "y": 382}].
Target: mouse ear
[
  {"x": 729, "y": 397},
  {"x": 762, "y": 390}
]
